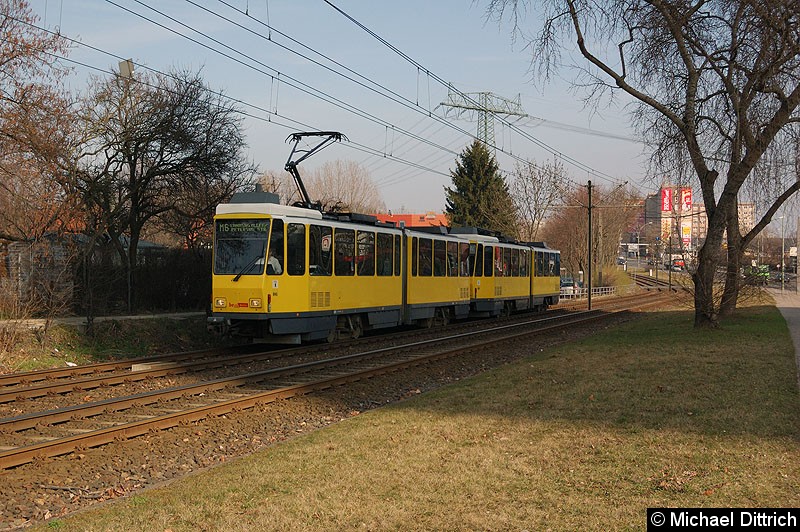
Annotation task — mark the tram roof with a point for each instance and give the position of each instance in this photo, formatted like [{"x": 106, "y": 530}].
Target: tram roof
[{"x": 273, "y": 209}]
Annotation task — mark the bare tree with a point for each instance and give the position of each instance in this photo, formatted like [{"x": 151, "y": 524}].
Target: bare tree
[
  {"x": 35, "y": 124},
  {"x": 567, "y": 229},
  {"x": 158, "y": 144},
  {"x": 716, "y": 83},
  {"x": 535, "y": 189},
  {"x": 280, "y": 183},
  {"x": 345, "y": 186}
]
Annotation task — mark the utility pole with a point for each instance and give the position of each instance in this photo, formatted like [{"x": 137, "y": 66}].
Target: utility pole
[
  {"x": 486, "y": 104},
  {"x": 589, "y": 240}
]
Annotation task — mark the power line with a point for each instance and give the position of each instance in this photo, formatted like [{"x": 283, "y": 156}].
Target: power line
[
  {"x": 297, "y": 124},
  {"x": 467, "y": 98},
  {"x": 306, "y": 88},
  {"x": 274, "y": 74},
  {"x": 293, "y": 82}
]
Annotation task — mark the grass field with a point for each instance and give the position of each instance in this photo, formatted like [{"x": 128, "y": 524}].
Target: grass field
[{"x": 581, "y": 437}]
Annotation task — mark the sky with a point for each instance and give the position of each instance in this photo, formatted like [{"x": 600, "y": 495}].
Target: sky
[{"x": 303, "y": 65}]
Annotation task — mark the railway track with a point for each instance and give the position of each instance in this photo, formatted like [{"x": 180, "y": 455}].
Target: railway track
[
  {"x": 18, "y": 387},
  {"x": 54, "y": 432},
  {"x": 661, "y": 283}
]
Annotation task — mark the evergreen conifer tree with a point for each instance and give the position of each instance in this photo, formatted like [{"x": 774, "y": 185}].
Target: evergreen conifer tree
[{"x": 480, "y": 195}]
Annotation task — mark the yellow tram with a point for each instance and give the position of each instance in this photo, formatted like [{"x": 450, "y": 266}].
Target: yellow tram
[{"x": 288, "y": 274}]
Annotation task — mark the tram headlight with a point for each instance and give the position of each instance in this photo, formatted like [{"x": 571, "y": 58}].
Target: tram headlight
[
  {"x": 220, "y": 302},
  {"x": 255, "y": 303}
]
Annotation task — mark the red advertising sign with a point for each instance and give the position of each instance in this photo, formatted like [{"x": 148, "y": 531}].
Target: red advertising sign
[
  {"x": 666, "y": 199},
  {"x": 686, "y": 199}
]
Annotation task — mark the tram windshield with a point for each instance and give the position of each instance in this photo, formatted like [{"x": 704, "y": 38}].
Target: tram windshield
[{"x": 240, "y": 246}]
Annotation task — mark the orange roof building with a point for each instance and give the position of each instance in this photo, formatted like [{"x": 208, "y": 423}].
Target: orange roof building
[{"x": 415, "y": 220}]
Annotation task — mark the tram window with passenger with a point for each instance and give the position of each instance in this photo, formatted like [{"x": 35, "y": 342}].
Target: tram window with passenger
[
  {"x": 344, "y": 246},
  {"x": 366, "y": 253},
  {"x": 464, "y": 259},
  {"x": 275, "y": 260},
  {"x": 452, "y": 259},
  {"x": 498, "y": 262}
]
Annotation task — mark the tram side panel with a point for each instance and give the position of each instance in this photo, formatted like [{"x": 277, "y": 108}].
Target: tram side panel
[
  {"x": 437, "y": 278},
  {"x": 366, "y": 275},
  {"x": 483, "y": 302},
  {"x": 511, "y": 278},
  {"x": 545, "y": 278},
  {"x": 350, "y": 284}
]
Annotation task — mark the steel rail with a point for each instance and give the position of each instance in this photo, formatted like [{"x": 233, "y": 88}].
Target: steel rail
[
  {"x": 21, "y": 455},
  {"x": 93, "y": 381},
  {"x": 26, "y": 377}
]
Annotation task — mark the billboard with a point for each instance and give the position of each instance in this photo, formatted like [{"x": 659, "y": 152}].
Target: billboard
[
  {"x": 666, "y": 199},
  {"x": 686, "y": 232},
  {"x": 686, "y": 200}
]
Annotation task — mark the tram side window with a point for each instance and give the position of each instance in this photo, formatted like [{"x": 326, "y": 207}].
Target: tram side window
[
  {"x": 478, "y": 251},
  {"x": 498, "y": 262},
  {"x": 414, "y": 249},
  {"x": 524, "y": 258},
  {"x": 275, "y": 260},
  {"x": 551, "y": 264},
  {"x": 397, "y": 257},
  {"x": 425, "y": 257},
  {"x": 366, "y": 253},
  {"x": 488, "y": 261},
  {"x": 515, "y": 262},
  {"x": 296, "y": 249},
  {"x": 344, "y": 246},
  {"x": 384, "y": 254},
  {"x": 452, "y": 259},
  {"x": 463, "y": 259},
  {"x": 539, "y": 264},
  {"x": 439, "y": 258},
  {"x": 319, "y": 250},
  {"x": 557, "y": 267}
]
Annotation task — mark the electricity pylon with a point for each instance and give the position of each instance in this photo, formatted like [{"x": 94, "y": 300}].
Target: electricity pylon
[{"x": 486, "y": 104}]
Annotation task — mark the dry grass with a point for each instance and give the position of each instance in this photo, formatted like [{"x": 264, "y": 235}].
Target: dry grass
[
  {"x": 585, "y": 436},
  {"x": 23, "y": 348}
]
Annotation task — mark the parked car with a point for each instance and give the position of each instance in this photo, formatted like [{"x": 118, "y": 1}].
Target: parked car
[{"x": 568, "y": 286}]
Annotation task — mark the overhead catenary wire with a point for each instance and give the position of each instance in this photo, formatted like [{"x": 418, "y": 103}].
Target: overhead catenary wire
[
  {"x": 445, "y": 83},
  {"x": 370, "y": 151},
  {"x": 296, "y": 125},
  {"x": 289, "y": 80},
  {"x": 355, "y": 109}
]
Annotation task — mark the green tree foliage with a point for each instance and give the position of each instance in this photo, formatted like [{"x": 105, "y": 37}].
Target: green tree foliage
[{"x": 480, "y": 195}]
